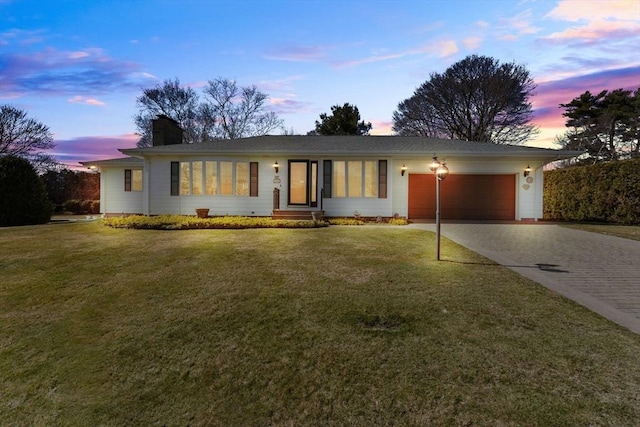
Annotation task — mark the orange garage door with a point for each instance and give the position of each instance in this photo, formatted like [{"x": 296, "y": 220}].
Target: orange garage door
[{"x": 466, "y": 197}]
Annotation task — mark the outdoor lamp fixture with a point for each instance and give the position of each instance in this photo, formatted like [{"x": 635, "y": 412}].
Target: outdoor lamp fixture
[
  {"x": 433, "y": 166},
  {"x": 403, "y": 169},
  {"x": 441, "y": 171},
  {"x": 527, "y": 171},
  {"x": 276, "y": 166}
]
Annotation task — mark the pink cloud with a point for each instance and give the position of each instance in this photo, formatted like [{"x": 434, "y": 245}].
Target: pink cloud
[
  {"x": 517, "y": 26},
  {"x": 610, "y": 19},
  {"x": 597, "y": 30},
  {"x": 78, "y": 55},
  {"x": 288, "y": 106},
  {"x": 85, "y": 100},
  {"x": 472, "y": 43},
  {"x": 85, "y": 148},
  {"x": 21, "y": 37},
  {"x": 550, "y": 94},
  {"x": 283, "y": 84},
  {"x": 576, "y": 10},
  {"x": 440, "y": 49},
  {"x": 381, "y": 127},
  {"x": 54, "y": 72}
]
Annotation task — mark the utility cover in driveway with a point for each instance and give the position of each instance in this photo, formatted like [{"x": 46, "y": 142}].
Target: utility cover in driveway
[{"x": 464, "y": 197}]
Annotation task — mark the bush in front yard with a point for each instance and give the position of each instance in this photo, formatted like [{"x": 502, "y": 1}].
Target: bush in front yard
[
  {"x": 182, "y": 222},
  {"x": 607, "y": 192},
  {"x": 73, "y": 206},
  {"x": 23, "y": 199}
]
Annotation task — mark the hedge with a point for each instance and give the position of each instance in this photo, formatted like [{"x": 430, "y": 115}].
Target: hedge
[
  {"x": 77, "y": 207},
  {"x": 183, "y": 222},
  {"x": 606, "y": 192},
  {"x": 23, "y": 199}
]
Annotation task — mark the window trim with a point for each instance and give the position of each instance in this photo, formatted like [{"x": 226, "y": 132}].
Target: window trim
[
  {"x": 253, "y": 179},
  {"x": 327, "y": 177},
  {"x": 127, "y": 180},
  {"x": 175, "y": 179},
  {"x": 382, "y": 179}
]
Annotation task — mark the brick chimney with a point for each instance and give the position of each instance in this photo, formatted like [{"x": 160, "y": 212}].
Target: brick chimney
[{"x": 166, "y": 131}]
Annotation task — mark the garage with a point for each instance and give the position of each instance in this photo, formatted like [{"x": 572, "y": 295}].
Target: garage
[{"x": 463, "y": 197}]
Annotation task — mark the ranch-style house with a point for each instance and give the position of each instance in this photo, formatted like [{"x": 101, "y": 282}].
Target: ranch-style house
[{"x": 339, "y": 175}]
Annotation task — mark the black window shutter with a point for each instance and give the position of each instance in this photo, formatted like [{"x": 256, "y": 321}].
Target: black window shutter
[
  {"x": 382, "y": 179},
  {"x": 253, "y": 179},
  {"x": 127, "y": 180},
  {"x": 326, "y": 182},
  {"x": 175, "y": 178}
]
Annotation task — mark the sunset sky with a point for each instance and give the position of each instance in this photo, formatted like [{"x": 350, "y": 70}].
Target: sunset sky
[{"x": 79, "y": 65}]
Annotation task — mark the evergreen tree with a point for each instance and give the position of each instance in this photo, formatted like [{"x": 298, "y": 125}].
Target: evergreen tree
[
  {"x": 23, "y": 198},
  {"x": 344, "y": 120}
]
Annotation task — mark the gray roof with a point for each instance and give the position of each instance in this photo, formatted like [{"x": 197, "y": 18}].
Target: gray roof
[
  {"x": 121, "y": 161},
  {"x": 388, "y": 146}
]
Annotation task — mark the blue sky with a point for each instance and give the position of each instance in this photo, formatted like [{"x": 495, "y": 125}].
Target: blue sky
[{"x": 78, "y": 65}]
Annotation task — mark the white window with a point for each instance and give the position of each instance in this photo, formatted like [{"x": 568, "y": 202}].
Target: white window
[
  {"x": 355, "y": 178},
  {"x": 211, "y": 177},
  {"x": 214, "y": 178}
]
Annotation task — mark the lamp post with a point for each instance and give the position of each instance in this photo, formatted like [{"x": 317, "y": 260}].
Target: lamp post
[{"x": 440, "y": 170}]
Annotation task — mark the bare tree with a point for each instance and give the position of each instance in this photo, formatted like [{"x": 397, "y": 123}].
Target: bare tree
[
  {"x": 25, "y": 137},
  {"x": 227, "y": 112},
  {"x": 476, "y": 99},
  {"x": 172, "y": 100},
  {"x": 231, "y": 112}
]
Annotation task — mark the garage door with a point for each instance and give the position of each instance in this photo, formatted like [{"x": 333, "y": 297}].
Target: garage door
[{"x": 465, "y": 197}]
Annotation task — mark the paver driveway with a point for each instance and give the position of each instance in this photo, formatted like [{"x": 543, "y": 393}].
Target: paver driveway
[{"x": 597, "y": 271}]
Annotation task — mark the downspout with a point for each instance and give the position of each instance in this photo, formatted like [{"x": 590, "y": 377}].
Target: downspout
[{"x": 146, "y": 187}]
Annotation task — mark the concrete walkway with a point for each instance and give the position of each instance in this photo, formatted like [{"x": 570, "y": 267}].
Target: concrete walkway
[{"x": 597, "y": 271}]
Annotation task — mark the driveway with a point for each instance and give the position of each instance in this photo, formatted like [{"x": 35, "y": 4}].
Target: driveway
[{"x": 597, "y": 271}]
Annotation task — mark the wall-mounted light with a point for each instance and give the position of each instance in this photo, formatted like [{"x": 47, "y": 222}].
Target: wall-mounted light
[
  {"x": 527, "y": 171},
  {"x": 403, "y": 169},
  {"x": 276, "y": 166}
]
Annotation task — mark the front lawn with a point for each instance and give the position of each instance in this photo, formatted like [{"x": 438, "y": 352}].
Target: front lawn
[{"x": 350, "y": 326}]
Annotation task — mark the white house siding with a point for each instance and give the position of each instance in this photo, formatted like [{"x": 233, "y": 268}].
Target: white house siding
[
  {"x": 161, "y": 201},
  {"x": 365, "y": 206},
  {"x": 530, "y": 200},
  {"x": 113, "y": 199}
]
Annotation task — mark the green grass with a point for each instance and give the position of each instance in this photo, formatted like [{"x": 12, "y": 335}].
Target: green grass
[
  {"x": 626, "y": 231},
  {"x": 330, "y": 326}
]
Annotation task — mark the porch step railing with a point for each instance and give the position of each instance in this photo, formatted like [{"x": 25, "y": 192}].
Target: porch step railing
[{"x": 276, "y": 199}]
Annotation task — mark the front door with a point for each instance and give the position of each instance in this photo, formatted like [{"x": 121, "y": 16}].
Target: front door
[{"x": 303, "y": 183}]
